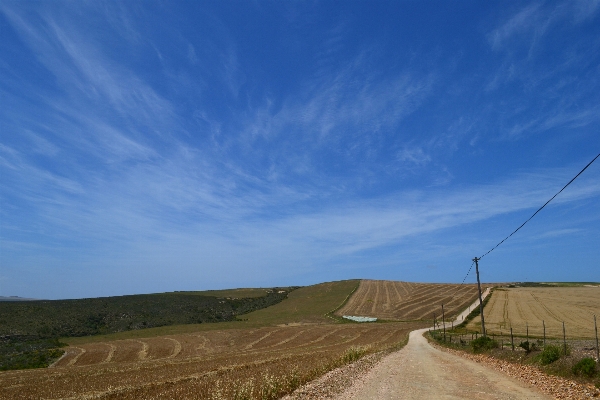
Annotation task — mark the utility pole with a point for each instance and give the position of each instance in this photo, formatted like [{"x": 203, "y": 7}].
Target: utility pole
[
  {"x": 444, "y": 321},
  {"x": 480, "y": 300}
]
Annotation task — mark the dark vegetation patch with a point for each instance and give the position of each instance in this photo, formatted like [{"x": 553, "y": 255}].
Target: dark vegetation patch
[
  {"x": 29, "y": 331},
  {"x": 18, "y": 352}
]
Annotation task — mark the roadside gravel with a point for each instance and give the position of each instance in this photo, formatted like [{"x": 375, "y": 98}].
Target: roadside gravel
[
  {"x": 334, "y": 382},
  {"x": 558, "y": 388}
]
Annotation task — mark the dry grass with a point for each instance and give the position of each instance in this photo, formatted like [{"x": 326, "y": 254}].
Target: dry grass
[
  {"x": 394, "y": 300},
  {"x": 261, "y": 363},
  {"x": 517, "y": 307}
]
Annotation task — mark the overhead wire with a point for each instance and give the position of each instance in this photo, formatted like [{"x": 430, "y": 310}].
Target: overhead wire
[
  {"x": 540, "y": 209},
  {"x": 523, "y": 224}
]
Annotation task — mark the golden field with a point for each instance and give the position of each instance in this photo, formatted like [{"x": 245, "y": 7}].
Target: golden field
[
  {"x": 235, "y": 363},
  {"x": 265, "y": 355},
  {"x": 405, "y": 301},
  {"x": 522, "y": 306}
]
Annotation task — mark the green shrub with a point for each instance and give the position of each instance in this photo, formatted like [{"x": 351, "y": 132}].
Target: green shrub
[
  {"x": 550, "y": 354},
  {"x": 353, "y": 354},
  {"x": 586, "y": 366},
  {"x": 528, "y": 346},
  {"x": 483, "y": 343}
]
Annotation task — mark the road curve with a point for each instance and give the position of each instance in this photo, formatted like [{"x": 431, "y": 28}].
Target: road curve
[{"x": 420, "y": 371}]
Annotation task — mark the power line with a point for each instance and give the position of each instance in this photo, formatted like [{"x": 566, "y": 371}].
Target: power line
[
  {"x": 463, "y": 281},
  {"x": 540, "y": 209},
  {"x": 523, "y": 224}
]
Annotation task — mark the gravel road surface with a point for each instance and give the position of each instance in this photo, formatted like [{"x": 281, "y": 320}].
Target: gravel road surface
[{"x": 420, "y": 371}]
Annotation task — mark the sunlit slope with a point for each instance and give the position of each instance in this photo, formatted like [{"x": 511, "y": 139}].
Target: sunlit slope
[
  {"x": 309, "y": 304},
  {"x": 397, "y": 300},
  {"x": 304, "y": 305}
]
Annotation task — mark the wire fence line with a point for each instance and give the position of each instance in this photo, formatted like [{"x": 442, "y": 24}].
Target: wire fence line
[{"x": 527, "y": 337}]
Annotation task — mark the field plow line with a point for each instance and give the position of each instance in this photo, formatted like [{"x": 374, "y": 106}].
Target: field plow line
[
  {"x": 74, "y": 359},
  {"x": 143, "y": 353},
  {"x": 320, "y": 338},
  {"x": 111, "y": 353},
  {"x": 176, "y": 349},
  {"x": 374, "y": 305},
  {"x": 249, "y": 346},
  {"x": 288, "y": 339}
]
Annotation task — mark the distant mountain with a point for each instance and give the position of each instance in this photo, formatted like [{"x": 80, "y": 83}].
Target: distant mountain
[{"x": 14, "y": 298}]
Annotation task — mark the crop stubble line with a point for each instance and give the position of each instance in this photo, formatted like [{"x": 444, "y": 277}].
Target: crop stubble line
[
  {"x": 321, "y": 338},
  {"x": 111, "y": 353},
  {"x": 399, "y": 296},
  {"x": 362, "y": 307},
  {"x": 388, "y": 303},
  {"x": 176, "y": 349},
  {"x": 288, "y": 339},
  {"x": 143, "y": 353},
  {"x": 74, "y": 359},
  {"x": 249, "y": 346}
]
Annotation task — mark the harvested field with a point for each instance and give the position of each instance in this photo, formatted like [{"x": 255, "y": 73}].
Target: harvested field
[
  {"x": 516, "y": 307},
  {"x": 258, "y": 363},
  {"x": 404, "y": 301}
]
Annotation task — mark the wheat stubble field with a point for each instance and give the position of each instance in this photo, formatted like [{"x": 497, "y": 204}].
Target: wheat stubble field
[
  {"x": 268, "y": 354},
  {"x": 236, "y": 363},
  {"x": 265, "y": 355},
  {"x": 405, "y": 301},
  {"x": 516, "y": 307}
]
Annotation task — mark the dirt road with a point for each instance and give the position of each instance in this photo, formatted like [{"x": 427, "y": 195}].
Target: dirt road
[{"x": 420, "y": 371}]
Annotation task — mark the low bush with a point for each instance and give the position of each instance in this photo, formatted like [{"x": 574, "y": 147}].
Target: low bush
[
  {"x": 483, "y": 343},
  {"x": 528, "y": 346},
  {"x": 353, "y": 354},
  {"x": 550, "y": 354},
  {"x": 586, "y": 366}
]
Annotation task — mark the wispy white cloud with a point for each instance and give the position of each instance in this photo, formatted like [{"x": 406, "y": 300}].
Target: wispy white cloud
[
  {"x": 414, "y": 155},
  {"x": 530, "y": 18}
]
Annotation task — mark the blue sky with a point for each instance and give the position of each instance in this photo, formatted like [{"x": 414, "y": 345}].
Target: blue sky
[{"x": 151, "y": 146}]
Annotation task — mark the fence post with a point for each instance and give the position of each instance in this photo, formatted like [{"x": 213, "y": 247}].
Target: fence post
[
  {"x": 564, "y": 338},
  {"x": 512, "y": 340},
  {"x": 544, "y": 324},
  {"x": 597, "y": 348}
]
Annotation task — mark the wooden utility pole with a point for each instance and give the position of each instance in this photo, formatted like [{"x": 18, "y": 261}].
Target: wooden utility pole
[
  {"x": 597, "y": 348},
  {"x": 444, "y": 321},
  {"x": 480, "y": 300}
]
